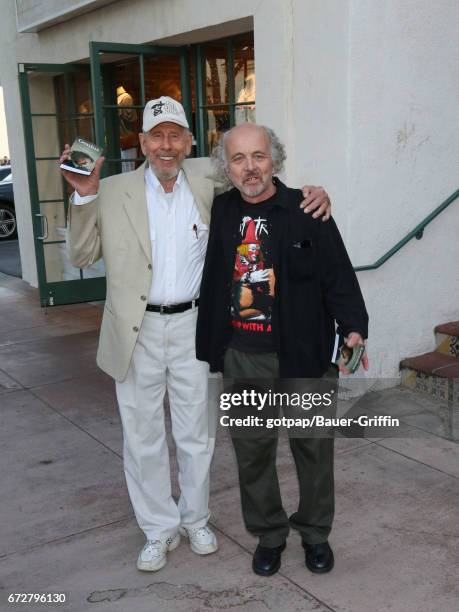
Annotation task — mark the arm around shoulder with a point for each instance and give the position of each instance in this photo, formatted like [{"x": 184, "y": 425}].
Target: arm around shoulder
[{"x": 203, "y": 166}]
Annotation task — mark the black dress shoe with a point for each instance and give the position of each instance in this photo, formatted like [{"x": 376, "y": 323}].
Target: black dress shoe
[
  {"x": 267, "y": 561},
  {"x": 319, "y": 557}
]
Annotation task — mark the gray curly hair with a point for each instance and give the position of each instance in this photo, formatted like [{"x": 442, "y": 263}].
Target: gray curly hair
[{"x": 220, "y": 161}]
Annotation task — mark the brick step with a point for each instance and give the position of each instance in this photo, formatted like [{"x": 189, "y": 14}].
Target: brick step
[
  {"x": 447, "y": 338},
  {"x": 434, "y": 363},
  {"x": 434, "y": 374},
  {"x": 451, "y": 328}
]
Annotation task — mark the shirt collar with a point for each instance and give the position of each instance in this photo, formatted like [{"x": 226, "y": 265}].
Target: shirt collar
[{"x": 281, "y": 193}]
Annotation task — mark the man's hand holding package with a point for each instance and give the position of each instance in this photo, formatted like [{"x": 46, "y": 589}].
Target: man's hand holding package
[
  {"x": 352, "y": 340},
  {"x": 83, "y": 184}
]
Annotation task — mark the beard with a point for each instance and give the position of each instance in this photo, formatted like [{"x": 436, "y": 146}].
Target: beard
[
  {"x": 166, "y": 175},
  {"x": 253, "y": 191}
]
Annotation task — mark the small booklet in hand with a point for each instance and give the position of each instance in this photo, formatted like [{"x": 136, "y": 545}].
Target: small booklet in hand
[
  {"x": 83, "y": 157},
  {"x": 349, "y": 357}
]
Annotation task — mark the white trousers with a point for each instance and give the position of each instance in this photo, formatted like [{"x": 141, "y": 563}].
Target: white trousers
[{"x": 165, "y": 358}]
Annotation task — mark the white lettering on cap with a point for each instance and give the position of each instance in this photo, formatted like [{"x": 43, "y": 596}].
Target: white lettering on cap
[{"x": 165, "y": 107}]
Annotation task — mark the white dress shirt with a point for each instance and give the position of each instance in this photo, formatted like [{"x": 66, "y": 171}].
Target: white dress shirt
[{"x": 178, "y": 240}]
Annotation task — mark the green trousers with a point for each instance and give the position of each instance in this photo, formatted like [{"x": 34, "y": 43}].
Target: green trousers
[{"x": 264, "y": 515}]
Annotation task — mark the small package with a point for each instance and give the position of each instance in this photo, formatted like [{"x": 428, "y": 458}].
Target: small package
[
  {"x": 83, "y": 157},
  {"x": 349, "y": 357}
]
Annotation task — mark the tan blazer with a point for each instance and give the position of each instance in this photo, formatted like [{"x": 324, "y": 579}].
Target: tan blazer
[{"x": 115, "y": 226}]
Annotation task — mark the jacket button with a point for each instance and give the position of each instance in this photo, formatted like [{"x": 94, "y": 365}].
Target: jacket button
[
  {"x": 150, "y": 266},
  {"x": 136, "y": 329},
  {"x": 143, "y": 298}
]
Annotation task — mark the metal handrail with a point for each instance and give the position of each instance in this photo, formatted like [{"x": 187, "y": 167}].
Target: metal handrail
[{"x": 417, "y": 233}]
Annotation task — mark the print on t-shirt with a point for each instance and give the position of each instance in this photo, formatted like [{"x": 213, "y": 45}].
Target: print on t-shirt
[{"x": 253, "y": 283}]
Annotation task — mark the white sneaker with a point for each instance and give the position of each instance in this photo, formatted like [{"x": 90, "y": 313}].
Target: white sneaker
[
  {"x": 202, "y": 540},
  {"x": 152, "y": 557}
]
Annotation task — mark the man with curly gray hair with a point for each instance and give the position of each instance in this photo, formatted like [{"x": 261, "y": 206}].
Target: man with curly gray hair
[
  {"x": 220, "y": 160},
  {"x": 275, "y": 281}
]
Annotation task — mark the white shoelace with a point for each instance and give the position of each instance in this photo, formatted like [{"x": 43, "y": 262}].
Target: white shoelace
[
  {"x": 153, "y": 546},
  {"x": 200, "y": 532}
]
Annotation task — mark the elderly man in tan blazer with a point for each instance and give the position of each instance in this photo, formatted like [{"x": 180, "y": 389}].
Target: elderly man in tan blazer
[{"x": 151, "y": 228}]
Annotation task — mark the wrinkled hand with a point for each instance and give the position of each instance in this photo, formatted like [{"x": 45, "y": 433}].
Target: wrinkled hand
[
  {"x": 85, "y": 185},
  {"x": 353, "y": 339},
  {"x": 259, "y": 276},
  {"x": 316, "y": 199}
]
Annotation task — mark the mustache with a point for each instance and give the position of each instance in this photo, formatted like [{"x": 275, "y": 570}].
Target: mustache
[{"x": 251, "y": 174}]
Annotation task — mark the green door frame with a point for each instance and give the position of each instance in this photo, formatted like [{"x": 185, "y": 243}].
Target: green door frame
[{"x": 61, "y": 292}]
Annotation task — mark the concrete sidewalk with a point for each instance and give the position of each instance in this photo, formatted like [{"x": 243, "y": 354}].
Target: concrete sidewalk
[{"x": 67, "y": 525}]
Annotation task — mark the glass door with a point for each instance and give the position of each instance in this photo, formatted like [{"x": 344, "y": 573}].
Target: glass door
[
  {"x": 56, "y": 107},
  {"x": 124, "y": 77}
]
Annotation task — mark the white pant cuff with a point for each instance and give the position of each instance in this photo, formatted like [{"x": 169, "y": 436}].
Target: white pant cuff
[
  {"x": 197, "y": 524},
  {"x": 160, "y": 535}
]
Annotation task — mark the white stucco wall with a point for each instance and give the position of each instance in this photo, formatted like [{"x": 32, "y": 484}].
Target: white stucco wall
[
  {"x": 372, "y": 114},
  {"x": 403, "y": 152},
  {"x": 362, "y": 92},
  {"x": 33, "y": 16},
  {"x": 4, "y": 148}
]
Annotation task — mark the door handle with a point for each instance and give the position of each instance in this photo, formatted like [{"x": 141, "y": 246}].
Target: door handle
[{"x": 44, "y": 227}]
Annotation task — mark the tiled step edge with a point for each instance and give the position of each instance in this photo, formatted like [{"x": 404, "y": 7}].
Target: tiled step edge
[
  {"x": 447, "y": 344},
  {"x": 444, "y": 389}
]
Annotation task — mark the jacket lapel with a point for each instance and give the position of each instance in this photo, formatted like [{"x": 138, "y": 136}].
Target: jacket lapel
[
  {"x": 202, "y": 189},
  {"x": 135, "y": 205},
  {"x": 135, "y": 202},
  {"x": 231, "y": 237}
]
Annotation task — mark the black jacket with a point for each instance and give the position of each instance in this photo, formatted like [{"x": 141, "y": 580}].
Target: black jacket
[{"x": 315, "y": 286}]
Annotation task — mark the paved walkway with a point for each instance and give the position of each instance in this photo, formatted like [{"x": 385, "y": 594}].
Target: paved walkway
[{"x": 67, "y": 525}]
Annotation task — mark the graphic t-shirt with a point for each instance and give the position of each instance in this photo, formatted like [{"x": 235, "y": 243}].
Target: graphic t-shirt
[{"x": 253, "y": 281}]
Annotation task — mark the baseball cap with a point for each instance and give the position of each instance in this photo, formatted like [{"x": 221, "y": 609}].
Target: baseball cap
[{"x": 161, "y": 110}]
